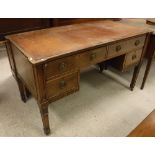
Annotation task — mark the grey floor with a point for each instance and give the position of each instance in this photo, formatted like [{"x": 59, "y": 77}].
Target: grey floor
[{"x": 104, "y": 106}]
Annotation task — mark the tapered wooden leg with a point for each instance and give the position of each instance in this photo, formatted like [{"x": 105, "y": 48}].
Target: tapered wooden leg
[
  {"x": 147, "y": 70},
  {"x": 44, "y": 115},
  {"x": 135, "y": 76},
  {"x": 22, "y": 90},
  {"x": 150, "y": 58},
  {"x": 137, "y": 68}
]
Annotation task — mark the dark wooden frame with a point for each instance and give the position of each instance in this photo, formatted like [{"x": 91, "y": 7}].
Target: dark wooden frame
[
  {"x": 16, "y": 25},
  {"x": 150, "y": 57}
]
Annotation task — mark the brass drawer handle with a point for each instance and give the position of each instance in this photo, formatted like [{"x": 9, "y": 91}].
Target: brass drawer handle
[
  {"x": 62, "y": 66},
  {"x": 92, "y": 56},
  {"x": 118, "y": 48},
  {"x": 137, "y": 42},
  {"x": 134, "y": 57},
  {"x": 62, "y": 84}
]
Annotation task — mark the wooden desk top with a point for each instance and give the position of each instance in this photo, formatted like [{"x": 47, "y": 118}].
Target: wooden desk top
[
  {"x": 139, "y": 23},
  {"x": 41, "y": 45}
]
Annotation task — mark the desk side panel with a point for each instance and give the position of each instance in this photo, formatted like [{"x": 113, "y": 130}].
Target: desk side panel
[{"x": 24, "y": 70}]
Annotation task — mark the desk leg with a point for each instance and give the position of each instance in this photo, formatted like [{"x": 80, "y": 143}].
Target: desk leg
[
  {"x": 137, "y": 68},
  {"x": 147, "y": 70},
  {"x": 22, "y": 90},
  {"x": 135, "y": 75},
  {"x": 44, "y": 114},
  {"x": 27, "y": 92},
  {"x": 151, "y": 51},
  {"x": 146, "y": 73},
  {"x": 102, "y": 66}
]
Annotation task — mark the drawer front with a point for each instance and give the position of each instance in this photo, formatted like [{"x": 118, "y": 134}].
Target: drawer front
[
  {"x": 117, "y": 49},
  {"x": 136, "y": 43},
  {"x": 60, "y": 66},
  {"x": 62, "y": 86},
  {"x": 123, "y": 47},
  {"x": 132, "y": 57},
  {"x": 92, "y": 57}
]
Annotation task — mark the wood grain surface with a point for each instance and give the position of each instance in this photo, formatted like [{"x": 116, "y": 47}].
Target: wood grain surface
[{"x": 41, "y": 45}]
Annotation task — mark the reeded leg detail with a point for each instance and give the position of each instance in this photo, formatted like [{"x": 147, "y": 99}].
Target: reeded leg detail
[{"x": 44, "y": 114}]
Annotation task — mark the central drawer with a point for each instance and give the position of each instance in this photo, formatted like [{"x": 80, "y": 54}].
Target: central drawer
[
  {"x": 91, "y": 57},
  {"x": 63, "y": 85},
  {"x": 117, "y": 49}
]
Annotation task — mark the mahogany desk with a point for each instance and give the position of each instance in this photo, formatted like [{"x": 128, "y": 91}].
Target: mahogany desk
[{"x": 47, "y": 63}]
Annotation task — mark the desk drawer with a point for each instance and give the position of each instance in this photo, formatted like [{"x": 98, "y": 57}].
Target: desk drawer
[
  {"x": 125, "y": 61},
  {"x": 136, "y": 43},
  {"x": 123, "y": 47},
  {"x": 117, "y": 49},
  {"x": 60, "y": 66},
  {"x": 132, "y": 58},
  {"x": 92, "y": 57},
  {"x": 62, "y": 86}
]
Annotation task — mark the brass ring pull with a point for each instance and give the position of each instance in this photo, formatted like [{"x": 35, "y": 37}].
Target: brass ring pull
[
  {"x": 62, "y": 84},
  {"x": 62, "y": 66},
  {"x": 118, "y": 48},
  {"x": 137, "y": 42},
  {"x": 92, "y": 56},
  {"x": 134, "y": 57}
]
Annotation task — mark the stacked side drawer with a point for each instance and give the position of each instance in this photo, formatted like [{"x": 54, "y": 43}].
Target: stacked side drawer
[
  {"x": 61, "y": 77},
  {"x": 132, "y": 53}
]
